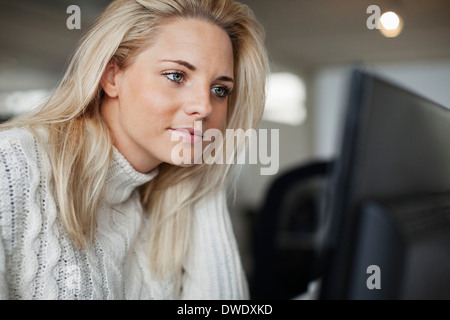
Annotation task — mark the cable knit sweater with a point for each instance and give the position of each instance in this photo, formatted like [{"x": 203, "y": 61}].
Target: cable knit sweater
[{"x": 39, "y": 261}]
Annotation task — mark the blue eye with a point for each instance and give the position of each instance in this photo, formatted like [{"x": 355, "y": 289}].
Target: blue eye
[
  {"x": 220, "y": 91},
  {"x": 177, "y": 77}
]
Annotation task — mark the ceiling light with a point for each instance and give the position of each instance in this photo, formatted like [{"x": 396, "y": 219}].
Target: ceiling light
[{"x": 391, "y": 24}]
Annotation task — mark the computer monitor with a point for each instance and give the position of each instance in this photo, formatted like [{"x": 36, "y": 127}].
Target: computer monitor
[{"x": 387, "y": 214}]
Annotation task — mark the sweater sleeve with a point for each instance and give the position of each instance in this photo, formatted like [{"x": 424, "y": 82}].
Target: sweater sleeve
[
  {"x": 3, "y": 285},
  {"x": 19, "y": 179},
  {"x": 213, "y": 269}
]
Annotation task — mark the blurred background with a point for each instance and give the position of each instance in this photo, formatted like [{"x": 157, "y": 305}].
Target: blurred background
[{"x": 311, "y": 44}]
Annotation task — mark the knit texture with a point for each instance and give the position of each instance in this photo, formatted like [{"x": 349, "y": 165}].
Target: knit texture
[{"x": 38, "y": 260}]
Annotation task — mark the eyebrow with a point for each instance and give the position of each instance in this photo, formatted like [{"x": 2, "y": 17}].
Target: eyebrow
[
  {"x": 182, "y": 63},
  {"x": 224, "y": 78},
  {"x": 193, "y": 68}
]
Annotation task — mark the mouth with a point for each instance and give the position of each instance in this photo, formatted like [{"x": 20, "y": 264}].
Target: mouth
[{"x": 188, "y": 134}]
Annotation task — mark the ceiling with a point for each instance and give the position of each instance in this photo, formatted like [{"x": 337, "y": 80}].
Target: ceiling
[
  {"x": 313, "y": 33},
  {"x": 307, "y": 34}
]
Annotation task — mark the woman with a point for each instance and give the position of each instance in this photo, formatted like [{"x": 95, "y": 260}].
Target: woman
[{"x": 92, "y": 203}]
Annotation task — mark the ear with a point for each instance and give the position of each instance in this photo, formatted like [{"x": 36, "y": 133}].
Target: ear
[{"x": 109, "y": 79}]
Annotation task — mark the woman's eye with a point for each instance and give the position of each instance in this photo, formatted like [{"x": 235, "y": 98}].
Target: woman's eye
[
  {"x": 221, "y": 92},
  {"x": 175, "y": 76}
]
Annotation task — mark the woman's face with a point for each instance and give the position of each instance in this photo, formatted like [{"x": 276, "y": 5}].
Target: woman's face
[{"x": 182, "y": 78}]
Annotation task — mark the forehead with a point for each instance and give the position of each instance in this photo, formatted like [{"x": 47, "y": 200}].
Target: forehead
[{"x": 198, "y": 42}]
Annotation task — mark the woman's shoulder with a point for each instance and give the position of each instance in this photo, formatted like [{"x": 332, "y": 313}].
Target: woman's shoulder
[
  {"x": 20, "y": 155},
  {"x": 15, "y": 136},
  {"x": 18, "y": 144}
]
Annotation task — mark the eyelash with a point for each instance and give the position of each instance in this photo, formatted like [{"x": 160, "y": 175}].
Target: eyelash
[
  {"x": 225, "y": 88},
  {"x": 171, "y": 73}
]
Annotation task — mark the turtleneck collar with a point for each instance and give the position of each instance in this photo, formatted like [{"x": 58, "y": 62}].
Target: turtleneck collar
[{"x": 122, "y": 179}]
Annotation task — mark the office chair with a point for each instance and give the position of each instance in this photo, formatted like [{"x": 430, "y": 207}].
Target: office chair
[{"x": 285, "y": 233}]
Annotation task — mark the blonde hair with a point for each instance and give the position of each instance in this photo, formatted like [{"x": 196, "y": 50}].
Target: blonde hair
[{"x": 80, "y": 144}]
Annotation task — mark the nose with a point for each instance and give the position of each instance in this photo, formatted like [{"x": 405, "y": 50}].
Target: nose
[{"x": 199, "y": 106}]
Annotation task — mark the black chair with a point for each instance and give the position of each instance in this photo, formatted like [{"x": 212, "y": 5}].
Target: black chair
[{"x": 285, "y": 233}]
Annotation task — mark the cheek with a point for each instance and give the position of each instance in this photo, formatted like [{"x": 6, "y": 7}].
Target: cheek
[
  {"x": 148, "y": 105},
  {"x": 219, "y": 118}
]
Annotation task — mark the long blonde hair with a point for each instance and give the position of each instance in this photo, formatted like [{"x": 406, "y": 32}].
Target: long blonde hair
[{"x": 80, "y": 144}]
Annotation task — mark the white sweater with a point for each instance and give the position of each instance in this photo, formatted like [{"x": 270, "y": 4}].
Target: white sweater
[{"x": 39, "y": 261}]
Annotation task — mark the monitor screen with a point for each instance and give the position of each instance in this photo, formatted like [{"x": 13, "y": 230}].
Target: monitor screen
[{"x": 386, "y": 222}]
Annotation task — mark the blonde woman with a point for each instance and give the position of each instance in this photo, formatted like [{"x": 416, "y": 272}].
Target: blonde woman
[{"x": 92, "y": 205}]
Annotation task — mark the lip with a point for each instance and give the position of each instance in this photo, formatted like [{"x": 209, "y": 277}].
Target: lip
[{"x": 188, "y": 134}]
